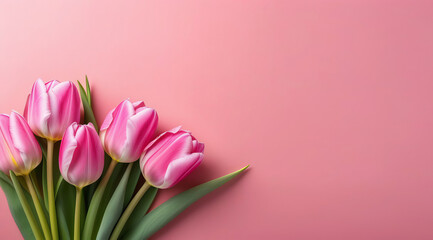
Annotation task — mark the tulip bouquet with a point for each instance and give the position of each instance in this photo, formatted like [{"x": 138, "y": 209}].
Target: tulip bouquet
[{"x": 67, "y": 179}]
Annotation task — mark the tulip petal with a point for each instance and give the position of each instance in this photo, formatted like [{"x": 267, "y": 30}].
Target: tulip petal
[
  {"x": 67, "y": 149},
  {"x": 115, "y": 135},
  {"x": 154, "y": 147},
  {"x": 65, "y": 108},
  {"x": 24, "y": 141},
  {"x": 81, "y": 155},
  {"x": 38, "y": 109},
  {"x": 83, "y": 172},
  {"x": 138, "y": 104},
  {"x": 174, "y": 130},
  {"x": 155, "y": 165},
  {"x": 139, "y": 130},
  {"x": 8, "y": 141},
  {"x": 26, "y": 107},
  {"x": 107, "y": 121},
  {"x": 105, "y": 125},
  {"x": 5, "y": 153},
  {"x": 49, "y": 85},
  {"x": 95, "y": 163},
  {"x": 197, "y": 146},
  {"x": 180, "y": 168},
  {"x": 173, "y": 147}
]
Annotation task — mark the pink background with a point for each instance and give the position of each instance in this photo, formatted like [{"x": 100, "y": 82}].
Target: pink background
[{"x": 331, "y": 102}]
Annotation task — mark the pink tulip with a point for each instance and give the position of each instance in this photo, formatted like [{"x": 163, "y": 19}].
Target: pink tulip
[
  {"x": 127, "y": 130},
  {"x": 81, "y": 157},
  {"x": 170, "y": 158},
  {"x": 51, "y": 107},
  {"x": 19, "y": 149}
]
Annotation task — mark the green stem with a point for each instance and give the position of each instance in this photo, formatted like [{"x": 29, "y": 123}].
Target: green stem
[
  {"x": 26, "y": 207},
  {"x": 50, "y": 186},
  {"x": 77, "y": 214},
  {"x": 95, "y": 202},
  {"x": 131, "y": 206},
  {"x": 39, "y": 210}
]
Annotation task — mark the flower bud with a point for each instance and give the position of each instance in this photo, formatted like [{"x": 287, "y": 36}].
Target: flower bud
[
  {"x": 127, "y": 130},
  {"x": 51, "y": 107},
  {"x": 81, "y": 157},
  {"x": 170, "y": 158},
  {"x": 19, "y": 149}
]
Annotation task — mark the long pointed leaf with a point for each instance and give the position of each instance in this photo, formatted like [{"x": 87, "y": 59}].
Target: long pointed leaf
[
  {"x": 114, "y": 208},
  {"x": 132, "y": 182},
  {"x": 65, "y": 205},
  {"x": 89, "y": 98},
  {"x": 42, "y": 170},
  {"x": 99, "y": 210},
  {"x": 15, "y": 207},
  {"x": 164, "y": 213},
  {"x": 140, "y": 210},
  {"x": 59, "y": 183},
  {"x": 88, "y": 112}
]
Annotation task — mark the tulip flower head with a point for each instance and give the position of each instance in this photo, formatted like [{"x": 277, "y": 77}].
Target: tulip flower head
[
  {"x": 127, "y": 130},
  {"x": 81, "y": 157},
  {"x": 19, "y": 149},
  {"x": 51, "y": 107},
  {"x": 170, "y": 158}
]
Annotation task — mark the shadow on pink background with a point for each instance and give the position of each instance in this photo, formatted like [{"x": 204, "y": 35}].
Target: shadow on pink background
[{"x": 331, "y": 102}]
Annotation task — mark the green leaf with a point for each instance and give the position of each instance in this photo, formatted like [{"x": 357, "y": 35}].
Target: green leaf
[
  {"x": 15, "y": 207},
  {"x": 114, "y": 208},
  {"x": 98, "y": 211},
  {"x": 132, "y": 182},
  {"x": 109, "y": 191},
  {"x": 164, "y": 213},
  {"x": 5, "y": 178},
  {"x": 88, "y": 112},
  {"x": 89, "y": 98},
  {"x": 56, "y": 167},
  {"x": 65, "y": 207},
  {"x": 140, "y": 210},
  {"x": 59, "y": 183},
  {"x": 41, "y": 170},
  {"x": 44, "y": 182},
  {"x": 26, "y": 202}
]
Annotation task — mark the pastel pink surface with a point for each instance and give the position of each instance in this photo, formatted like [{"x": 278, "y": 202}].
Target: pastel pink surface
[{"x": 329, "y": 101}]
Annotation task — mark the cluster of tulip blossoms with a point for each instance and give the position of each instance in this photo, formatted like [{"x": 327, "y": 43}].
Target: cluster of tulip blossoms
[{"x": 52, "y": 112}]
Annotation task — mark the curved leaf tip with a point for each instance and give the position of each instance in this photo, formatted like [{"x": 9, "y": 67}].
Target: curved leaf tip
[{"x": 247, "y": 166}]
